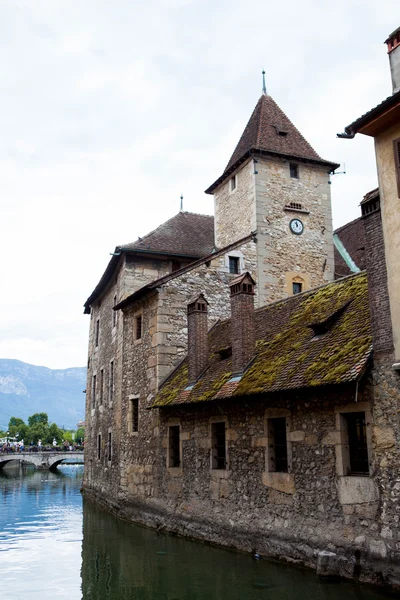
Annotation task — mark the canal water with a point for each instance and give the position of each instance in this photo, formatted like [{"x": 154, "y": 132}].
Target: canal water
[{"x": 52, "y": 547}]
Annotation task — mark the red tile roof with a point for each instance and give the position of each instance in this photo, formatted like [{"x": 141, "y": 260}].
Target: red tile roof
[
  {"x": 289, "y": 355},
  {"x": 186, "y": 234},
  {"x": 270, "y": 131}
]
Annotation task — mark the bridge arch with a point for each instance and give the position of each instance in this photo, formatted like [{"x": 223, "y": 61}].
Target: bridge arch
[{"x": 41, "y": 460}]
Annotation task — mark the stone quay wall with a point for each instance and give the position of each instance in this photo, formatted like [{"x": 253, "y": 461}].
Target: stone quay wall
[{"x": 294, "y": 516}]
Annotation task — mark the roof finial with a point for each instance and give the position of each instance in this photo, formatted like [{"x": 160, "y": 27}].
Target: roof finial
[
  {"x": 181, "y": 209},
  {"x": 264, "y": 90}
]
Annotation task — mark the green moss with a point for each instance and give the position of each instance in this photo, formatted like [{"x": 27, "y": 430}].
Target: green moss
[
  {"x": 174, "y": 385},
  {"x": 211, "y": 391},
  {"x": 278, "y": 361}
]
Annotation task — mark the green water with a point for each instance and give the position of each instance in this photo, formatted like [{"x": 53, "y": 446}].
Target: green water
[{"x": 52, "y": 547}]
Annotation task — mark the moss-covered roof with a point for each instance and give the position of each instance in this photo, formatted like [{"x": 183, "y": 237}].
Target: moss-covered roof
[{"x": 291, "y": 352}]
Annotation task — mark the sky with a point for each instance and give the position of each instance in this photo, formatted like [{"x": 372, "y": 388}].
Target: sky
[{"x": 111, "y": 110}]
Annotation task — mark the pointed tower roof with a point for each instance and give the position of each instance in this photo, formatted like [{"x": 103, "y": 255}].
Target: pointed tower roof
[{"x": 269, "y": 131}]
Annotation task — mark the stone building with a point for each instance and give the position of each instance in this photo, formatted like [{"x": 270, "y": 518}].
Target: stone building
[{"x": 242, "y": 384}]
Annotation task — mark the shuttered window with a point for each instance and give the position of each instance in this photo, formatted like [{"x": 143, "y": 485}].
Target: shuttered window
[{"x": 396, "y": 149}]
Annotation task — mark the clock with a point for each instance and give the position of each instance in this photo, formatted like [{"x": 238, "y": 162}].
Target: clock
[{"x": 296, "y": 226}]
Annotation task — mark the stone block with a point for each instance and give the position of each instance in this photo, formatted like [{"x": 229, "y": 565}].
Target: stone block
[
  {"x": 384, "y": 437},
  {"x": 231, "y": 435},
  {"x": 185, "y": 436},
  {"x": 260, "y": 442},
  {"x": 332, "y": 438},
  {"x": 377, "y": 549},
  {"x": 357, "y": 490},
  {"x": 224, "y": 488},
  {"x": 297, "y": 436},
  {"x": 282, "y": 482}
]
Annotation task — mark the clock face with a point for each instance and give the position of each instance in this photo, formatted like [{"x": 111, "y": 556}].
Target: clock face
[{"x": 296, "y": 226}]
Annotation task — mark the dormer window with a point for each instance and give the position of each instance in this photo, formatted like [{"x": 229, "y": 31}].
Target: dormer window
[
  {"x": 234, "y": 265},
  {"x": 322, "y": 327},
  {"x": 294, "y": 170},
  {"x": 233, "y": 183}
]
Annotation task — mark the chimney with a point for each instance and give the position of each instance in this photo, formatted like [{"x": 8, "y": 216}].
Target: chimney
[
  {"x": 393, "y": 44},
  {"x": 375, "y": 262},
  {"x": 242, "y": 322},
  {"x": 197, "y": 337}
]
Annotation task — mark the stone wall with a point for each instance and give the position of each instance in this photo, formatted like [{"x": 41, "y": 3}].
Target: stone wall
[
  {"x": 234, "y": 210},
  {"x": 282, "y": 255},
  {"x": 265, "y": 200},
  {"x": 292, "y": 515}
]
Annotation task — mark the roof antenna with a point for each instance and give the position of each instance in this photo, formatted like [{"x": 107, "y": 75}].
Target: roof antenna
[
  {"x": 181, "y": 208},
  {"x": 264, "y": 90}
]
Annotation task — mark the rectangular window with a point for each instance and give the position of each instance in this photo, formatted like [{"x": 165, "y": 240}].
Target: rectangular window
[
  {"x": 99, "y": 446},
  {"x": 297, "y": 288},
  {"x": 94, "y": 391},
  {"x": 277, "y": 445},
  {"x": 396, "y": 149},
  {"x": 176, "y": 265},
  {"x": 101, "y": 386},
  {"x": 218, "y": 445},
  {"x": 294, "y": 171},
  {"x": 174, "y": 454},
  {"x": 233, "y": 183},
  {"x": 233, "y": 264},
  {"x": 138, "y": 327},
  {"x": 133, "y": 424},
  {"x": 97, "y": 334},
  {"x": 114, "y": 313},
  {"x": 111, "y": 382},
  {"x": 109, "y": 446},
  {"x": 357, "y": 441}
]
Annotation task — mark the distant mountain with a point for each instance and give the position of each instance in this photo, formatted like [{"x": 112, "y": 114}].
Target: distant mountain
[{"x": 26, "y": 389}]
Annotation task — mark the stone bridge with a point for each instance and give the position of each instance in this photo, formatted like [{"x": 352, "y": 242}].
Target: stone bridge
[{"x": 41, "y": 460}]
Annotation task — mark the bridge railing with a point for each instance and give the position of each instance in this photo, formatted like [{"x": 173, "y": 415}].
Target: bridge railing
[{"x": 35, "y": 449}]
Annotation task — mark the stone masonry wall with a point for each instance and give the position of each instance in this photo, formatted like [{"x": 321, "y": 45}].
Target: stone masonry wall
[
  {"x": 290, "y": 515},
  {"x": 283, "y": 255},
  {"x": 107, "y": 414},
  {"x": 234, "y": 210},
  {"x": 264, "y": 190}
]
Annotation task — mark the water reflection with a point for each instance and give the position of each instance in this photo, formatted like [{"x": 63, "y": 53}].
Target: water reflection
[
  {"x": 40, "y": 533},
  {"x": 43, "y": 556},
  {"x": 122, "y": 561}
]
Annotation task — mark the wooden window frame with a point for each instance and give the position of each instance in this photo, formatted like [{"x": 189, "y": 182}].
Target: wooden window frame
[
  {"x": 133, "y": 415},
  {"x": 294, "y": 171},
  {"x": 111, "y": 377},
  {"x": 97, "y": 333},
  {"x": 235, "y": 262},
  {"x": 98, "y": 446},
  {"x": 274, "y": 428},
  {"x": 396, "y": 151},
  {"x": 219, "y": 460},
  {"x": 174, "y": 447},
  {"x": 94, "y": 377},
  {"x": 109, "y": 447}
]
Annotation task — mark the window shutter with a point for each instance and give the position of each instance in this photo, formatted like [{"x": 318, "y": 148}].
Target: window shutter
[{"x": 396, "y": 149}]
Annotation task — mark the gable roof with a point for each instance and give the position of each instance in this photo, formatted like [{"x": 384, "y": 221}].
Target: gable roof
[
  {"x": 185, "y": 234},
  {"x": 270, "y": 131},
  {"x": 140, "y": 293},
  {"x": 288, "y": 353},
  {"x": 188, "y": 235}
]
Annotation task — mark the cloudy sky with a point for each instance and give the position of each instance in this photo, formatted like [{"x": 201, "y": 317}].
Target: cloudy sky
[{"x": 111, "y": 109}]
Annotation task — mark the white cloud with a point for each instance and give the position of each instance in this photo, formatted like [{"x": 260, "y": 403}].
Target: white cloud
[{"x": 111, "y": 110}]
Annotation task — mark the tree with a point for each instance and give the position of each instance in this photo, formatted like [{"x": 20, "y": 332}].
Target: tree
[
  {"x": 38, "y": 431},
  {"x": 17, "y": 426},
  {"x": 15, "y": 422},
  {"x": 80, "y": 435},
  {"x": 54, "y": 433},
  {"x": 38, "y": 418}
]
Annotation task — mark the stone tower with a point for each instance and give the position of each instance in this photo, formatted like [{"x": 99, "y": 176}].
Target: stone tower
[{"x": 277, "y": 186}]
